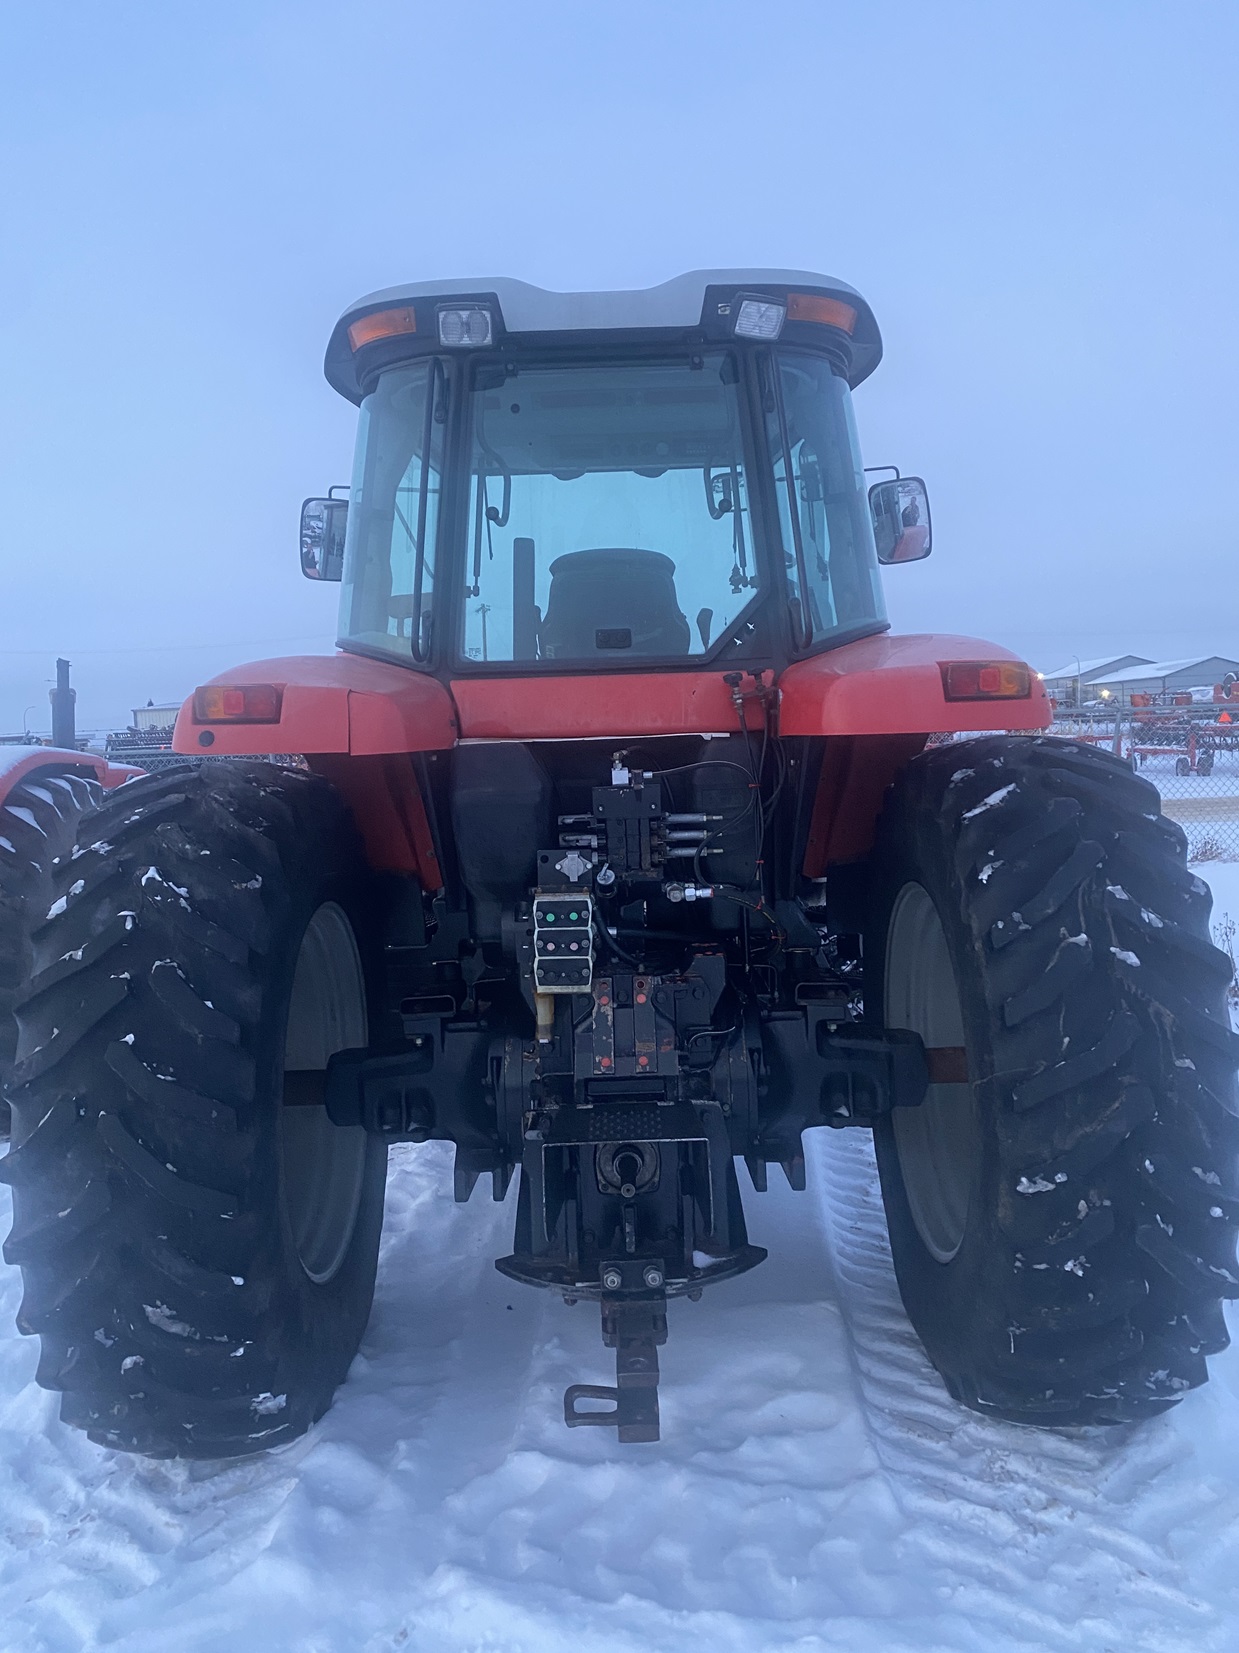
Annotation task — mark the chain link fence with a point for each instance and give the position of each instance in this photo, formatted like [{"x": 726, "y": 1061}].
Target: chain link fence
[
  {"x": 1193, "y": 763},
  {"x": 151, "y": 750},
  {"x": 1192, "y": 760}
]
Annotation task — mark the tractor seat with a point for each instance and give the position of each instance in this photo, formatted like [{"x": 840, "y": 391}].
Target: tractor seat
[{"x": 612, "y": 603}]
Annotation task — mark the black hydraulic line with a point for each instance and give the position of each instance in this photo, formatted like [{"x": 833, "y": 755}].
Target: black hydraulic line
[
  {"x": 610, "y": 942},
  {"x": 658, "y": 935},
  {"x": 702, "y": 763}
]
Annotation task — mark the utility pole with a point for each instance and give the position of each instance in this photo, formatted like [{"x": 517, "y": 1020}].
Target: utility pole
[{"x": 63, "y": 699}]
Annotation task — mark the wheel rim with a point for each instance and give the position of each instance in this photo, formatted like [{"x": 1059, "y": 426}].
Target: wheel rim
[
  {"x": 323, "y": 1165},
  {"x": 938, "y": 1143}
]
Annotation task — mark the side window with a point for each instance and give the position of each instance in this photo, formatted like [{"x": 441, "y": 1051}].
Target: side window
[
  {"x": 831, "y": 563},
  {"x": 388, "y": 600}
]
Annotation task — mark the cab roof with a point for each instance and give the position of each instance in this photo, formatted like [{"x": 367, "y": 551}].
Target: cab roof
[{"x": 685, "y": 304}]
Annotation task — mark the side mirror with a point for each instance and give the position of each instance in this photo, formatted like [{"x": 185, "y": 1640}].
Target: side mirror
[
  {"x": 323, "y": 522},
  {"x": 901, "y": 525}
]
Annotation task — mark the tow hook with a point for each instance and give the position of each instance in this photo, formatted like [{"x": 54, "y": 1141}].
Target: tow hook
[{"x": 634, "y": 1324}]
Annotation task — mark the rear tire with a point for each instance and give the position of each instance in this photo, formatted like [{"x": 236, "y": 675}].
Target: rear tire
[
  {"x": 198, "y": 1257},
  {"x": 38, "y": 829},
  {"x": 1063, "y": 1224}
]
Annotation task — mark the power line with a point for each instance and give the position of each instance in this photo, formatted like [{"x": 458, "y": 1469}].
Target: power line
[{"x": 156, "y": 648}]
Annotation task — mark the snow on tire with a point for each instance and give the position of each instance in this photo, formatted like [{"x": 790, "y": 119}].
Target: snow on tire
[
  {"x": 1063, "y": 1221},
  {"x": 198, "y": 1259},
  {"x": 38, "y": 828}
]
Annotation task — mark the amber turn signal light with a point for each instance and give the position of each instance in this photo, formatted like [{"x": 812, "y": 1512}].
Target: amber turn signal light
[
  {"x": 383, "y": 324},
  {"x": 238, "y": 703},
  {"x": 985, "y": 680},
  {"x": 830, "y": 312}
]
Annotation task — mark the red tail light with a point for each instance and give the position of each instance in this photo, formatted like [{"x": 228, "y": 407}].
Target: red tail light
[
  {"x": 985, "y": 680},
  {"x": 238, "y": 703}
]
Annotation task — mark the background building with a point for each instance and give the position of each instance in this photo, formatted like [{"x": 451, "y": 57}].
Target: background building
[
  {"x": 1160, "y": 677},
  {"x": 151, "y": 716},
  {"x": 1066, "y": 684}
]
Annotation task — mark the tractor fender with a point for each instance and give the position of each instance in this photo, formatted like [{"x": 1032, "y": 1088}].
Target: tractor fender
[
  {"x": 385, "y": 796},
  {"x": 890, "y": 685},
  {"x": 19, "y": 764},
  {"x": 328, "y": 703},
  {"x": 357, "y": 722},
  {"x": 851, "y": 785}
]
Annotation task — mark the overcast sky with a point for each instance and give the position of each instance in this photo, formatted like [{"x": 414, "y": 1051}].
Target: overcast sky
[{"x": 1039, "y": 200}]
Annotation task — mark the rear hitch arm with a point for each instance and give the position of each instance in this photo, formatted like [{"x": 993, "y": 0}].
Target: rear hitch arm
[
  {"x": 867, "y": 1074},
  {"x": 386, "y": 1095},
  {"x": 818, "y": 1071}
]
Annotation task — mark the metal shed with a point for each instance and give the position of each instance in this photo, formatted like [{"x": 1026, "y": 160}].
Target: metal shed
[
  {"x": 1163, "y": 676},
  {"x": 1068, "y": 683}
]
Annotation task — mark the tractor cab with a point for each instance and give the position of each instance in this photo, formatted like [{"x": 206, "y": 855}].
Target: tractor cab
[{"x": 559, "y": 483}]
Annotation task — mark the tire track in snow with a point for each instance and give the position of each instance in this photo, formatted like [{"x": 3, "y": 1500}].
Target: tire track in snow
[
  {"x": 812, "y": 1492},
  {"x": 442, "y": 1506},
  {"x": 1066, "y": 1539},
  {"x": 96, "y": 1544},
  {"x": 758, "y": 1522}
]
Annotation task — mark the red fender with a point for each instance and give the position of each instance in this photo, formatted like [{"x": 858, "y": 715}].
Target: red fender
[
  {"x": 854, "y": 777},
  {"x": 19, "y": 764},
  {"x": 329, "y": 703},
  {"x": 386, "y": 800},
  {"x": 892, "y": 685}
]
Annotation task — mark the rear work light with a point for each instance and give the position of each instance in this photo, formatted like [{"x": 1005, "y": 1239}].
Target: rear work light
[
  {"x": 383, "y": 324},
  {"x": 759, "y": 318},
  {"x": 985, "y": 680},
  {"x": 238, "y": 703},
  {"x": 468, "y": 325}
]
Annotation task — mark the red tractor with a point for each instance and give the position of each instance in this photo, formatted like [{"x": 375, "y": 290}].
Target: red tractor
[{"x": 615, "y": 846}]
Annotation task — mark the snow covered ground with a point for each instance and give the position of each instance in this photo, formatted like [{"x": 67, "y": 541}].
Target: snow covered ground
[{"x": 815, "y": 1488}]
